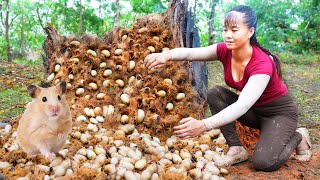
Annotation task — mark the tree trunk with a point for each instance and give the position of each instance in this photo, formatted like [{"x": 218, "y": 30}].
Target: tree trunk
[
  {"x": 117, "y": 14},
  {"x": 211, "y": 22},
  {"x": 80, "y": 20},
  {"x": 7, "y": 32}
]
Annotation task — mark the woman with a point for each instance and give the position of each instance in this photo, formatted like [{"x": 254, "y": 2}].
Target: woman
[{"x": 264, "y": 102}]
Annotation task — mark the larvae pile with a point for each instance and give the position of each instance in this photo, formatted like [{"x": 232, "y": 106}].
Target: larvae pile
[{"x": 123, "y": 113}]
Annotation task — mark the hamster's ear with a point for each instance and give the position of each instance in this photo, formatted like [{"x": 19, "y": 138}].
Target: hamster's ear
[
  {"x": 62, "y": 86},
  {"x": 32, "y": 90}
]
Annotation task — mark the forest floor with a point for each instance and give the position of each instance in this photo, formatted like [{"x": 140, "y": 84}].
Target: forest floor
[
  {"x": 304, "y": 85},
  {"x": 303, "y": 82}
]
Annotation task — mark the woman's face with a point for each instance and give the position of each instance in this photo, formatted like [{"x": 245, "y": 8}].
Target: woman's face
[{"x": 236, "y": 33}]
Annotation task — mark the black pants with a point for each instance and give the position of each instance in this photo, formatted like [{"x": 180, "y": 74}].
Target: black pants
[{"x": 277, "y": 122}]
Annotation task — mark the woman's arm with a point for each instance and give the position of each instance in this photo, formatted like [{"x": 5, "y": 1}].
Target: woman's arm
[
  {"x": 158, "y": 60},
  {"x": 248, "y": 96}
]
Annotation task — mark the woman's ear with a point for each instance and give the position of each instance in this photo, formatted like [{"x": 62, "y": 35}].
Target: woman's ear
[{"x": 251, "y": 32}]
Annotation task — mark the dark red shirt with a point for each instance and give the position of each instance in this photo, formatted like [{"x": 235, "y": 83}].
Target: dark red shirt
[{"x": 260, "y": 63}]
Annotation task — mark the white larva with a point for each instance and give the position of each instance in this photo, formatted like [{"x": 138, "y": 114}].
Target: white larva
[
  {"x": 101, "y": 95},
  {"x": 92, "y": 52},
  {"x": 168, "y": 81},
  {"x": 120, "y": 82},
  {"x": 107, "y": 72},
  {"x": 180, "y": 96},
  {"x": 169, "y": 106},
  {"x": 161, "y": 93},
  {"x": 79, "y": 91},
  {"x": 50, "y": 78},
  {"x": 132, "y": 64},
  {"x": 75, "y": 43},
  {"x": 106, "y": 83},
  {"x": 105, "y": 52},
  {"x": 125, "y": 98},
  {"x": 118, "y": 51},
  {"x": 103, "y": 65},
  {"x": 81, "y": 118},
  {"x": 93, "y": 73},
  {"x": 140, "y": 164},
  {"x": 93, "y": 86},
  {"x": 151, "y": 49},
  {"x": 57, "y": 68}
]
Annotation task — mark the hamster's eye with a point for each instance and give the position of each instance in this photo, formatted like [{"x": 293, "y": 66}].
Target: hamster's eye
[
  {"x": 44, "y": 99},
  {"x": 59, "y": 98}
]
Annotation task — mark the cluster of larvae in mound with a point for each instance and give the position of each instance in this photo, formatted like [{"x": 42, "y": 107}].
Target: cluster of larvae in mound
[{"x": 123, "y": 114}]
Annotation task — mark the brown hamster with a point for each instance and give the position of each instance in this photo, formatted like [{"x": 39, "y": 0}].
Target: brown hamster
[{"x": 46, "y": 122}]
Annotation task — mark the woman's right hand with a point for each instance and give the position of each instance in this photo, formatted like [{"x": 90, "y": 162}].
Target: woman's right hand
[{"x": 157, "y": 60}]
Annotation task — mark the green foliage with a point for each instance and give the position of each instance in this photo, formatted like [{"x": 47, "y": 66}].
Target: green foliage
[
  {"x": 302, "y": 59},
  {"x": 25, "y": 61}
]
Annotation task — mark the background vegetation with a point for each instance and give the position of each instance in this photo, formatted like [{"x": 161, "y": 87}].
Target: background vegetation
[{"x": 289, "y": 28}]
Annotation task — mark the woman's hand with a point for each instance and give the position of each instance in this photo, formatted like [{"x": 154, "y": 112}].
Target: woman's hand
[
  {"x": 157, "y": 60},
  {"x": 189, "y": 128}
]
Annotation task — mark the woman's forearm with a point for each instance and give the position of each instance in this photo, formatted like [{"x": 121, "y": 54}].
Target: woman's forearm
[{"x": 208, "y": 53}]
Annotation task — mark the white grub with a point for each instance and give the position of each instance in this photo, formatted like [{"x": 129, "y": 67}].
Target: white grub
[
  {"x": 156, "y": 38},
  {"x": 87, "y": 111},
  {"x": 91, "y": 154},
  {"x": 170, "y": 142},
  {"x": 70, "y": 76},
  {"x": 93, "y": 86},
  {"x": 168, "y": 81},
  {"x": 129, "y": 175},
  {"x": 124, "y": 119},
  {"x": 97, "y": 110},
  {"x": 142, "y": 30},
  {"x": 186, "y": 164},
  {"x": 79, "y": 158},
  {"x": 101, "y": 95},
  {"x": 106, "y": 83},
  {"x": 50, "y": 78},
  {"x": 129, "y": 166},
  {"x": 57, "y": 68},
  {"x": 56, "y": 162},
  {"x": 46, "y": 177},
  {"x": 224, "y": 171},
  {"x": 184, "y": 154},
  {"x": 64, "y": 152},
  {"x": 107, "y": 72},
  {"x": 76, "y": 135},
  {"x": 75, "y": 43},
  {"x": 79, "y": 91},
  {"x": 120, "y": 82},
  {"x": 87, "y": 97},
  {"x": 147, "y": 173},
  {"x": 100, "y": 159},
  {"x": 132, "y": 65},
  {"x": 105, "y": 52},
  {"x": 161, "y": 93},
  {"x": 176, "y": 159},
  {"x": 128, "y": 128},
  {"x": 140, "y": 164},
  {"x": 201, "y": 162},
  {"x": 69, "y": 86},
  {"x": 56, "y": 81},
  {"x": 81, "y": 118},
  {"x": 114, "y": 160},
  {"x": 195, "y": 173},
  {"x": 100, "y": 119},
  {"x": 118, "y": 51},
  {"x": 69, "y": 172},
  {"x": 14, "y": 146},
  {"x": 151, "y": 49},
  {"x": 66, "y": 163},
  {"x": 110, "y": 168},
  {"x": 214, "y": 133},
  {"x": 204, "y": 147},
  {"x": 131, "y": 79},
  {"x": 125, "y": 98},
  {"x": 59, "y": 171},
  {"x": 140, "y": 116},
  {"x": 4, "y": 165},
  {"x": 118, "y": 143},
  {"x": 103, "y": 65},
  {"x": 205, "y": 137},
  {"x": 210, "y": 167},
  {"x": 206, "y": 175},
  {"x": 180, "y": 96},
  {"x": 94, "y": 73},
  {"x": 169, "y": 106},
  {"x": 93, "y": 121},
  {"x": 84, "y": 138},
  {"x": 155, "y": 176},
  {"x": 92, "y": 52},
  {"x": 124, "y": 37},
  {"x": 92, "y": 127},
  {"x": 220, "y": 140}
]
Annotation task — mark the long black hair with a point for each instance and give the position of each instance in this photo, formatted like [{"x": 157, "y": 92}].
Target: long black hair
[{"x": 250, "y": 19}]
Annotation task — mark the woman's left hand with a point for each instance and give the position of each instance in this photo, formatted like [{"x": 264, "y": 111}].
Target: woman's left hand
[{"x": 189, "y": 128}]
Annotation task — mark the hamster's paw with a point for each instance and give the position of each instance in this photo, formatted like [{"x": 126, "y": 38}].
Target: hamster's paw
[{"x": 61, "y": 135}]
